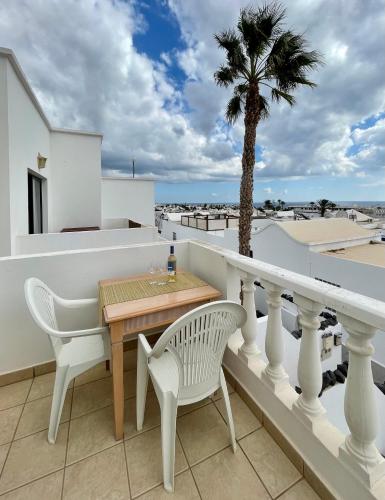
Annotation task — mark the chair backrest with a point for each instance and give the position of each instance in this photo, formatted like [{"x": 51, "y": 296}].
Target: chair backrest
[
  {"x": 197, "y": 341},
  {"x": 41, "y": 304}
]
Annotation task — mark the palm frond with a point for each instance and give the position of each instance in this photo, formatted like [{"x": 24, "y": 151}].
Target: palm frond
[
  {"x": 224, "y": 76},
  {"x": 277, "y": 95},
  {"x": 234, "y": 109},
  {"x": 264, "y": 108},
  {"x": 230, "y": 42},
  {"x": 259, "y": 26}
]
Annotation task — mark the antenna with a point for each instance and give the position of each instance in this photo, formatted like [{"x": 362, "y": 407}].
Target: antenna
[{"x": 133, "y": 167}]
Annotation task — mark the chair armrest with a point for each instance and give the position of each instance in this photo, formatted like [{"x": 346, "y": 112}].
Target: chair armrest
[
  {"x": 77, "y": 333},
  {"x": 144, "y": 345},
  {"x": 75, "y": 304}
]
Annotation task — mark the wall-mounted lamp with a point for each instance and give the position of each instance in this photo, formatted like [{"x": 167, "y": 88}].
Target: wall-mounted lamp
[{"x": 41, "y": 161}]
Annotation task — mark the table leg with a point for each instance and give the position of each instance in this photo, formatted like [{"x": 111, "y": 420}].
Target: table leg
[{"x": 117, "y": 380}]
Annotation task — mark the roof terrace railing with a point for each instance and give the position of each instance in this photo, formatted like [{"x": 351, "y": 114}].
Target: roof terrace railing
[{"x": 212, "y": 222}]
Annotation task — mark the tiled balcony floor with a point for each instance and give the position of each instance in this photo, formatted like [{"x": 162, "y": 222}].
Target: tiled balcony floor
[{"x": 87, "y": 463}]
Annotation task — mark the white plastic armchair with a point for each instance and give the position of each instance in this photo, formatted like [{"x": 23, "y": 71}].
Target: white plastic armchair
[
  {"x": 185, "y": 366},
  {"x": 75, "y": 351}
]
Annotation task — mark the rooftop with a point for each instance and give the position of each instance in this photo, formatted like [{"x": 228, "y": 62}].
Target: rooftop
[
  {"x": 325, "y": 230},
  {"x": 373, "y": 254},
  {"x": 87, "y": 462}
]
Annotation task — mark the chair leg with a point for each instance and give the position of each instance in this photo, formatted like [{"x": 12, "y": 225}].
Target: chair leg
[
  {"x": 230, "y": 422},
  {"x": 169, "y": 408},
  {"x": 59, "y": 394},
  {"x": 141, "y": 387}
]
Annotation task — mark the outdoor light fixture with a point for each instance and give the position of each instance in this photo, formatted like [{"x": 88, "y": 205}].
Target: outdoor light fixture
[{"x": 41, "y": 160}]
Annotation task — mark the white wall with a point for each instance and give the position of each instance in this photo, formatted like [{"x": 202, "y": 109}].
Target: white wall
[
  {"x": 274, "y": 246},
  {"x": 75, "y": 189},
  {"x": 128, "y": 198},
  {"x": 5, "y": 221},
  {"x": 58, "y": 242},
  {"x": 72, "y": 274},
  {"x": 28, "y": 136}
]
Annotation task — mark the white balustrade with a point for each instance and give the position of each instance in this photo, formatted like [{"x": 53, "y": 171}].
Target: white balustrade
[
  {"x": 233, "y": 284},
  {"x": 308, "y": 404},
  {"x": 274, "y": 373},
  {"x": 360, "y": 400},
  {"x": 249, "y": 330}
]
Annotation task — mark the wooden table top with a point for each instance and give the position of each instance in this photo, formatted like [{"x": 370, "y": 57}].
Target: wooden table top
[{"x": 161, "y": 302}]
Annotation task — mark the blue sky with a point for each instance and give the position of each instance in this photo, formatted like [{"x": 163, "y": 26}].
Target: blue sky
[{"x": 152, "y": 94}]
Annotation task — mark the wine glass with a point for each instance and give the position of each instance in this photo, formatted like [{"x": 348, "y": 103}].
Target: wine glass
[{"x": 152, "y": 270}]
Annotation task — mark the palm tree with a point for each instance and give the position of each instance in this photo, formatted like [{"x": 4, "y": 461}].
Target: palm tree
[
  {"x": 260, "y": 53},
  {"x": 324, "y": 205},
  {"x": 268, "y": 205}
]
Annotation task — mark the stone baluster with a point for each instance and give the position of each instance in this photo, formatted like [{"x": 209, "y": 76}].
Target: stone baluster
[
  {"x": 360, "y": 403},
  {"x": 308, "y": 405},
  {"x": 274, "y": 373},
  {"x": 249, "y": 329},
  {"x": 233, "y": 284}
]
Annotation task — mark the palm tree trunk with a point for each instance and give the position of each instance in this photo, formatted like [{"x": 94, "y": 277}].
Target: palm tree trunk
[{"x": 248, "y": 160}]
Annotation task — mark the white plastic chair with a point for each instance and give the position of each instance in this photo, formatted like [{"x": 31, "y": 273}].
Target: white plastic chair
[
  {"x": 75, "y": 351},
  {"x": 185, "y": 367}
]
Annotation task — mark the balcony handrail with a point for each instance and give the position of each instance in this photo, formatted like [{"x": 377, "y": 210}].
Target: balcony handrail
[{"x": 365, "y": 309}]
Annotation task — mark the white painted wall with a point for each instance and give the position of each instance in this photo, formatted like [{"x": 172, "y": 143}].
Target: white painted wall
[
  {"x": 71, "y": 190},
  {"x": 74, "y": 191},
  {"x": 59, "y": 242},
  {"x": 128, "y": 198},
  {"x": 28, "y": 136},
  {"x": 5, "y": 218},
  {"x": 72, "y": 274}
]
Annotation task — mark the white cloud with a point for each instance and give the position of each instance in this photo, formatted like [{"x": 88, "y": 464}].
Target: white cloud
[
  {"x": 89, "y": 75},
  {"x": 268, "y": 190}
]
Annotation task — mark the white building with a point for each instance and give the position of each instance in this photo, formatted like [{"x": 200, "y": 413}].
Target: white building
[{"x": 51, "y": 178}]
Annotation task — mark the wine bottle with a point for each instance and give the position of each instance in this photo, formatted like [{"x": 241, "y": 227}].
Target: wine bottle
[{"x": 171, "y": 266}]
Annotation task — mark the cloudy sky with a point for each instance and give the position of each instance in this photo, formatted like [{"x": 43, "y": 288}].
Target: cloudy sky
[{"x": 141, "y": 72}]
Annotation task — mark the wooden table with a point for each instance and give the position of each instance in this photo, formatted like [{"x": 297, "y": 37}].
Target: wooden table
[{"x": 126, "y": 319}]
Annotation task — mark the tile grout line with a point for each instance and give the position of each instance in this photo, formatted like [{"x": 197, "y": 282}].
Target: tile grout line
[
  {"x": 188, "y": 463},
  {"x": 14, "y": 432},
  {"x": 252, "y": 466},
  {"x": 289, "y": 488},
  {"x": 128, "y": 474}
]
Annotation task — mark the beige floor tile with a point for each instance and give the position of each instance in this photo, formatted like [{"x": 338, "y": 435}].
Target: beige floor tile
[
  {"x": 184, "y": 489},
  {"x": 283, "y": 443},
  {"x": 43, "y": 386},
  {"x": 14, "y": 394},
  {"x": 130, "y": 384},
  {"x": 273, "y": 467},
  {"x": 3, "y": 455},
  {"x": 300, "y": 491},
  {"x": 96, "y": 373},
  {"x": 228, "y": 475},
  {"x": 92, "y": 396},
  {"x": 47, "y": 488},
  {"x": 13, "y": 377},
  {"x": 99, "y": 394},
  {"x": 202, "y": 433},
  {"x": 218, "y": 394},
  {"x": 183, "y": 410},
  {"x": 130, "y": 359},
  {"x": 33, "y": 457},
  {"x": 36, "y": 415},
  {"x": 144, "y": 461},
  {"x": 151, "y": 417},
  {"x": 91, "y": 433},
  {"x": 8, "y": 423},
  {"x": 102, "y": 476},
  {"x": 244, "y": 419}
]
